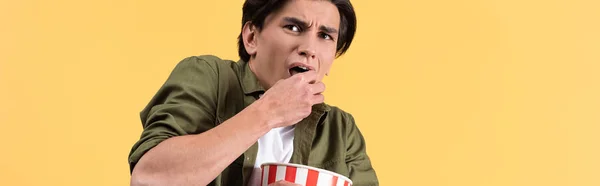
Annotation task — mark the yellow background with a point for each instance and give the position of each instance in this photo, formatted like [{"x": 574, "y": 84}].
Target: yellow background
[{"x": 465, "y": 92}]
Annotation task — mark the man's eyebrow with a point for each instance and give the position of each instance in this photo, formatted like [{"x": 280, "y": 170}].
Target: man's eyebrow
[
  {"x": 304, "y": 25},
  {"x": 296, "y": 21},
  {"x": 328, "y": 30}
]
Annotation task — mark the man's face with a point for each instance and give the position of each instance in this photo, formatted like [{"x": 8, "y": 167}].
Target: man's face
[{"x": 303, "y": 34}]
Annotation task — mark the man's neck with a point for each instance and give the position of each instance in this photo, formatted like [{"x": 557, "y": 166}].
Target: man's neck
[{"x": 261, "y": 80}]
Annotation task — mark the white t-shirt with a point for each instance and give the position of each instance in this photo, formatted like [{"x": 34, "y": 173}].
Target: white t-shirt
[{"x": 277, "y": 145}]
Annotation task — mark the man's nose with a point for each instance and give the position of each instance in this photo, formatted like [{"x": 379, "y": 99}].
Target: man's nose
[{"x": 308, "y": 48}]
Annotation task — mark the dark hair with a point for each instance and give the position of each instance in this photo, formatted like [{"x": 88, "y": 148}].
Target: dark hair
[{"x": 256, "y": 11}]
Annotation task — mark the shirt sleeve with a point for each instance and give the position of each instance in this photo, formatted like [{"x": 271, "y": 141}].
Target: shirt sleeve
[
  {"x": 360, "y": 169},
  {"x": 185, "y": 104}
]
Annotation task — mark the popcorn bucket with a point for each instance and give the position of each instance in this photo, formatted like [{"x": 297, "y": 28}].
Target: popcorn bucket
[{"x": 301, "y": 174}]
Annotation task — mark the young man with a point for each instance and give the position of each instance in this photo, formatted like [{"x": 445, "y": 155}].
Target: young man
[{"x": 215, "y": 121}]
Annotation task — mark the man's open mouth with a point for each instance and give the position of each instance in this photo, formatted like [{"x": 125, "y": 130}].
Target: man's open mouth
[{"x": 298, "y": 69}]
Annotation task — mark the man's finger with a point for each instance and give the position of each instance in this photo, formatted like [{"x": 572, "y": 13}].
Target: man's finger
[
  {"x": 317, "y": 88},
  {"x": 309, "y": 76},
  {"x": 319, "y": 98}
]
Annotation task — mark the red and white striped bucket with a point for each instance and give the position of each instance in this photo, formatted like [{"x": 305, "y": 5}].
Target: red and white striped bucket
[{"x": 301, "y": 174}]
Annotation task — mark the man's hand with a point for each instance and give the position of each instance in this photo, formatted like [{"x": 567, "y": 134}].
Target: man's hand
[
  {"x": 284, "y": 183},
  {"x": 290, "y": 100}
]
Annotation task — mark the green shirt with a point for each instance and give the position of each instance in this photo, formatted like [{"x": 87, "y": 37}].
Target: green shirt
[{"x": 204, "y": 91}]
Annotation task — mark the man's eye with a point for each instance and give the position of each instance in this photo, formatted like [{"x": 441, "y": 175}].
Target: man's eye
[
  {"x": 293, "y": 28},
  {"x": 326, "y": 36}
]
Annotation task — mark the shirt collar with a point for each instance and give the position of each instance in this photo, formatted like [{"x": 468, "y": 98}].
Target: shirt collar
[
  {"x": 250, "y": 83},
  {"x": 321, "y": 107}
]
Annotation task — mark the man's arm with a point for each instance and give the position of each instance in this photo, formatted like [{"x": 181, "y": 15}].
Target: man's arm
[
  {"x": 357, "y": 160},
  {"x": 180, "y": 144},
  {"x": 198, "y": 159}
]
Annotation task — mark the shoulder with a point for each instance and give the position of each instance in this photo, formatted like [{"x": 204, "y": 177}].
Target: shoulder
[
  {"x": 203, "y": 67},
  {"x": 337, "y": 117},
  {"x": 212, "y": 62},
  {"x": 338, "y": 113}
]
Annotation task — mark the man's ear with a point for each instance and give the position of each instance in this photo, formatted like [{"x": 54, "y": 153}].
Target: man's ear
[{"x": 249, "y": 32}]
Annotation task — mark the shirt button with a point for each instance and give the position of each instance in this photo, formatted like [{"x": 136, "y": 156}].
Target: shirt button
[{"x": 248, "y": 158}]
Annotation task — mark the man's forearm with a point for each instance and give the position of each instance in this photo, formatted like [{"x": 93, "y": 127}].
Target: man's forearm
[{"x": 198, "y": 159}]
